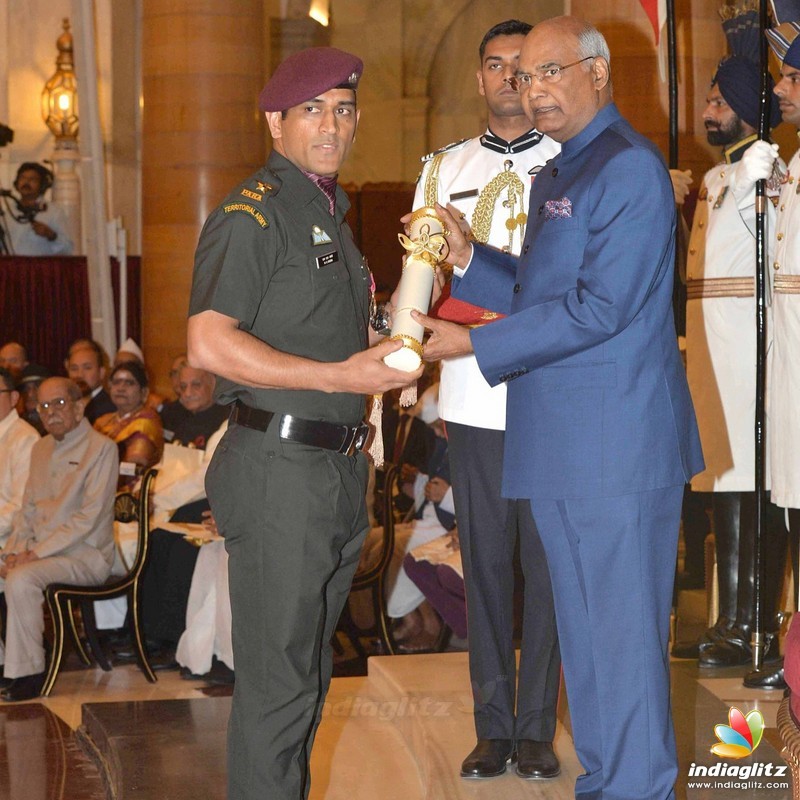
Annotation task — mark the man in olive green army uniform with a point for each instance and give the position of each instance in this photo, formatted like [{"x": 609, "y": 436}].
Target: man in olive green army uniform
[{"x": 280, "y": 312}]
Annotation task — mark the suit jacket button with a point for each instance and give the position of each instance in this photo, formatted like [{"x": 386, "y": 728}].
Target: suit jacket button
[
  {"x": 541, "y": 208},
  {"x": 555, "y": 171},
  {"x": 525, "y": 249},
  {"x": 517, "y": 287}
]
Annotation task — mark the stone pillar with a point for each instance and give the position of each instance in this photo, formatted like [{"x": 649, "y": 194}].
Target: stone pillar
[
  {"x": 67, "y": 190},
  {"x": 202, "y": 70}
]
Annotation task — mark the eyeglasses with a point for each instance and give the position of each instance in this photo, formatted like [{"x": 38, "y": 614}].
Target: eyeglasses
[
  {"x": 7, "y": 390},
  {"x": 549, "y": 75},
  {"x": 52, "y": 405}
]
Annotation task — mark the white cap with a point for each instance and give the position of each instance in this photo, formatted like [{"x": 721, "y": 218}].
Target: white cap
[
  {"x": 428, "y": 405},
  {"x": 129, "y": 346}
]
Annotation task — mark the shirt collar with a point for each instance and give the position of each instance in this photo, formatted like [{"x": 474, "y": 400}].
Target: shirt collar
[
  {"x": 494, "y": 142},
  {"x": 78, "y": 432},
  {"x": 302, "y": 188},
  {"x": 734, "y": 153},
  {"x": 603, "y": 119}
]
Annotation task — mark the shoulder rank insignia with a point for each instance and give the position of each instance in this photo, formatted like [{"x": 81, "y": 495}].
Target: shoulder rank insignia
[
  {"x": 445, "y": 149},
  {"x": 252, "y": 195},
  {"x": 318, "y": 236},
  {"x": 247, "y": 209},
  {"x": 263, "y": 187}
]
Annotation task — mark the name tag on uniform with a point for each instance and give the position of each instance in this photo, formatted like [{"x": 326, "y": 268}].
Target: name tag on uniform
[
  {"x": 327, "y": 259},
  {"x": 127, "y": 468},
  {"x": 464, "y": 195}
]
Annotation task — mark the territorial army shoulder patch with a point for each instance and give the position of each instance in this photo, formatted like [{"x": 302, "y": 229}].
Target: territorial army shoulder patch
[{"x": 247, "y": 209}]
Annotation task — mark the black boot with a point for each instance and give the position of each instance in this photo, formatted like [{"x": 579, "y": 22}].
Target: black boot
[
  {"x": 737, "y": 650},
  {"x": 726, "y": 507}
]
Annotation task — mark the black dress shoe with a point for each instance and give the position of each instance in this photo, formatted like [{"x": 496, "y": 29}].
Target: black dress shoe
[
  {"x": 25, "y": 688},
  {"x": 766, "y": 678},
  {"x": 488, "y": 759},
  {"x": 164, "y": 659},
  {"x": 685, "y": 649},
  {"x": 536, "y": 760}
]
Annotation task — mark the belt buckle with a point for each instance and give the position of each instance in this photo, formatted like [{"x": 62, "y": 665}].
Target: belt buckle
[{"x": 354, "y": 440}]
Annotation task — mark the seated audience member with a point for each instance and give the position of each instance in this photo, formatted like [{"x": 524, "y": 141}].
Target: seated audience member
[
  {"x": 14, "y": 358},
  {"x": 175, "y": 374},
  {"x": 36, "y": 228},
  {"x": 435, "y": 568},
  {"x": 129, "y": 352},
  {"x": 433, "y": 515},
  {"x": 194, "y": 416},
  {"x": 168, "y": 577},
  {"x": 407, "y": 443},
  {"x": 134, "y": 426},
  {"x": 62, "y": 533},
  {"x": 28, "y": 387},
  {"x": 205, "y": 649},
  {"x": 86, "y": 362},
  {"x": 17, "y": 438}
]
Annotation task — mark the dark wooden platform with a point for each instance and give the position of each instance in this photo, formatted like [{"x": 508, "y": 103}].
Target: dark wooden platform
[
  {"x": 41, "y": 758},
  {"x": 170, "y": 750}
]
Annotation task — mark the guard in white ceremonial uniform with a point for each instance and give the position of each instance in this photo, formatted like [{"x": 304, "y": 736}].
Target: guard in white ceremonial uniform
[
  {"x": 783, "y": 367},
  {"x": 488, "y": 179},
  {"x": 721, "y": 358}
]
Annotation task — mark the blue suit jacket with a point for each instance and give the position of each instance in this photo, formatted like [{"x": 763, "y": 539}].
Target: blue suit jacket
[{"x": 598, "y": 403}]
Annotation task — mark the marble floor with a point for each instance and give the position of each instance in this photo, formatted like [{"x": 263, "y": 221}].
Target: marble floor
[{"x": 398, "y": 733}]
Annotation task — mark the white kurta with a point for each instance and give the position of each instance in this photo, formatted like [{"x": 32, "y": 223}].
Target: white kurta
[
  {"x": 464, "y": 174},
  {"x": 783, "y": 375},
  {"x": 17, "y": 438}
]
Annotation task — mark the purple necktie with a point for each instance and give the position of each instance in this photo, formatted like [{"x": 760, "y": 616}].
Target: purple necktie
[{"x": 327, "y": 185}]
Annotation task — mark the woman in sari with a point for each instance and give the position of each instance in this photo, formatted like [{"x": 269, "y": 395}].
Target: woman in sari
[{"x": 134, "y": 426}]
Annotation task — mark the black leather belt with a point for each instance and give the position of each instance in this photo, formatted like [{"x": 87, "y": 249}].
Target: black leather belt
[{"x": 316, "y": 433}]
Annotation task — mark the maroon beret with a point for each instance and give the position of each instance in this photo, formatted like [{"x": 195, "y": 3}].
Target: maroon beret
[{"x": 308, "y": 74}]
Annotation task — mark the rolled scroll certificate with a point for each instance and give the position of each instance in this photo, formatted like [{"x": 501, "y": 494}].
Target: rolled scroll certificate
[{"x": 426, "y": 247}]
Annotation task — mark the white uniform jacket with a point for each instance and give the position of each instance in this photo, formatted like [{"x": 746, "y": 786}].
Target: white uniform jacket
[
  {"x": 488, "y": 180},
  {"x": 721, "y": 329},
  {"x": 783, "y": 370}
]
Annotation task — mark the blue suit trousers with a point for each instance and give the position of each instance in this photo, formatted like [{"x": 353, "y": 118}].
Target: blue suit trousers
[{"x": 612, "y": 564}]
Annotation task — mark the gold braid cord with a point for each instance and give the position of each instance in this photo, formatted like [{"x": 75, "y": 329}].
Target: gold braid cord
[
  {"x": 432, "y": 181},
  {"x": 509, "y": 182}
]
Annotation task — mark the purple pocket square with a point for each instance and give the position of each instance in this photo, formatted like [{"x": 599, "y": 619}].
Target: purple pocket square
[{"x": 558, "y": 209}]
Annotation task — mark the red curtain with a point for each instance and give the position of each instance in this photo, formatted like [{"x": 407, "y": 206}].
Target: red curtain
[{"x": 44, "y": 304}]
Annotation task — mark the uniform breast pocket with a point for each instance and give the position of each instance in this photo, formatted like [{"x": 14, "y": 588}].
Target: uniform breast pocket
[
  {"x": 330, "y": 280},
  {"x": 329, "y": 270}
]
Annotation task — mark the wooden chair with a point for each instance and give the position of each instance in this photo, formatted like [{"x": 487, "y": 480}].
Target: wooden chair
[
  {"x": 373, "y": 578},
  {"x": 62, "y": 598}
]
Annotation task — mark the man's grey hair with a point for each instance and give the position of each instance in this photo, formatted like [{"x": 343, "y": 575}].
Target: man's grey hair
[{"x": 592, "y": 43}]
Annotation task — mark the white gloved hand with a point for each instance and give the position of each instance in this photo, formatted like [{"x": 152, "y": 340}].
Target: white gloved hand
[
  {"x": 681, "y": 181},
  {"x": 756, "y": 164}
]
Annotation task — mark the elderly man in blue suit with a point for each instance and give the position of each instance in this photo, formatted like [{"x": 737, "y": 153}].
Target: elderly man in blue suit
[{"x": 601, "y": 432}]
